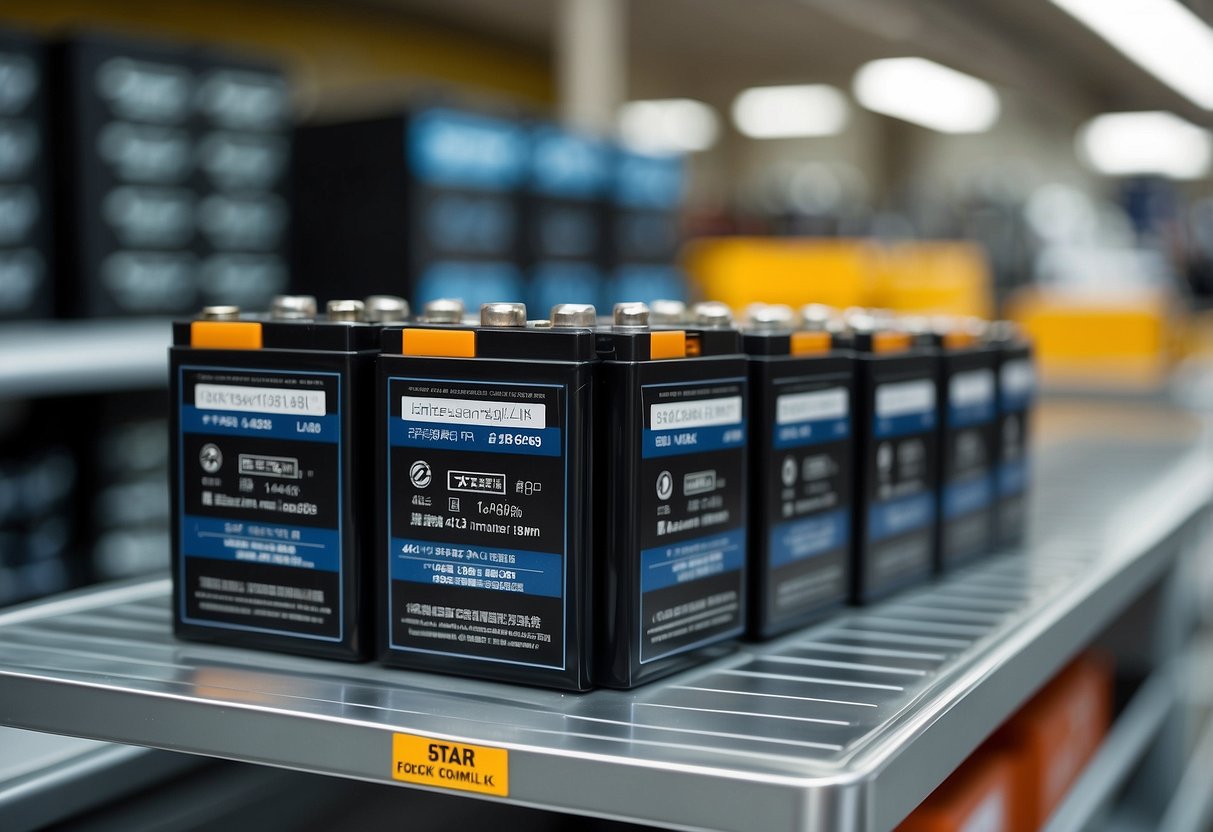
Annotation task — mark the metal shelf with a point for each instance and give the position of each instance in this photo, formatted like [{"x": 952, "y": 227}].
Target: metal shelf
[
  {"x": 846, "y": 725},
  {"x": 66, "y": 357}
]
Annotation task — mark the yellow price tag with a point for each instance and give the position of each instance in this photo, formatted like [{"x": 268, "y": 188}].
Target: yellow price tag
[{"x": 449, "y": 765}]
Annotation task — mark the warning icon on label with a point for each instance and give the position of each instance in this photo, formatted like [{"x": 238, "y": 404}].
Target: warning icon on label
[
  {"x": 665, "y": 485},
  {"x": 420, "y": 474}
]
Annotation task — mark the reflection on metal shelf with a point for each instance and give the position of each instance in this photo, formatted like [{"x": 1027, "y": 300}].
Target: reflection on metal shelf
[
  {"x": 846, "y": 725},
  {"x": 62, "y": 357},
  {"x": 45, "y": 778}
]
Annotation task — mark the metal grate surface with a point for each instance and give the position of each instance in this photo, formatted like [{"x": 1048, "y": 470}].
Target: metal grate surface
[{"x": 844, "y": 725}]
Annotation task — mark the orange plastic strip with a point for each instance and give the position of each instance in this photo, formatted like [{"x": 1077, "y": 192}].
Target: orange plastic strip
[
  {"x": 958, "y": 340},
  {"x": 810, "y": 343},
  {"x": 225, "y": 335},
  {"x": 668, "y": 344},
  {"x": 440, "y": 343},
  {"x": 890, "y": 341}
]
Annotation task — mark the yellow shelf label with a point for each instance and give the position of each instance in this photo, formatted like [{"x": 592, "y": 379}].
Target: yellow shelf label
[{"x": 449, "y": 765}]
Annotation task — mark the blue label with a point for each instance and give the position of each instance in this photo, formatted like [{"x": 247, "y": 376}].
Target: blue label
[
  {"x": 1014, "y": 401},
  {"x": 649, "y": 181},
  {"x": 904, "y": 425},
  {"x": 465, "y": 150},
  {"x": 252, "y": 541},
  {"x": 904, "y": 514},
  {"x": 527, "y": 441},
  {"x": 691, "y": 560},
  {"x": 646, "y": 284},
  {"x": 693, "y": 440},
  {"x": 811, "y": 432},
  {"x": 474, "y": 282},
  {"x": 477, "y": 567},
  {"x": 809, "y": 536},
  {"x": 567, "y": 165},
  {"x": 265, "y": 425},
  {"x": 969, "y": 494},
  {"x": 1012, "y": 478},
  {"x": 971, "y": 414}
]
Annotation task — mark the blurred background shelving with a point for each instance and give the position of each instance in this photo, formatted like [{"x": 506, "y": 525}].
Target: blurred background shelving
[{"x": 665, "y": 186}]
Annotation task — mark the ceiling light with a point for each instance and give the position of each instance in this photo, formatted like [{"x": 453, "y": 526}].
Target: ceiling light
[
  {"x": 670, "y": 125},
  {"x": 791, "y": 111},
  {"x": 1163, "y": 37},
  {"x": 1126, "y": 144},
  {"x": 928, "y": 94}
]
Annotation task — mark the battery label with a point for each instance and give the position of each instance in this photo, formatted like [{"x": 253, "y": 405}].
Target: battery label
[
  {"x": 901, "y": 496},
  {"x": 261, "y": 492},
  {"x": 968, "y": 485},
  {"x": 476, "y": 492},
  {"x": 692, "y": 536},
  {"x": 1017, "y": 388},
  {"x": 808, "y": 477}
]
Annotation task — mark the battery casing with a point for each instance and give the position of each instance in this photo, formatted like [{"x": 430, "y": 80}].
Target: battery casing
[
  {"x": 801, "y": 489},
  {"x": 670, "y": 550},
  {"x": 1016, "y": 396},
  {"x": 272, "y": 466},
  {"x": 968, "y": 405},
  {"x": 897, "y": 438},
  {"x": 484, "y": 440}
]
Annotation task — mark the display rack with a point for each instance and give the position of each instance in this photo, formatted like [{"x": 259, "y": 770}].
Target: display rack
[
  {"x": 47, "y": 358},
  {"x": 846, "y": 725}
]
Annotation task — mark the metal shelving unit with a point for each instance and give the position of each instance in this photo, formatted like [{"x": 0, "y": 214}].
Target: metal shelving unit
[
  {"x": 846, "y": 725},
  {"x": 47, "y": 358}
]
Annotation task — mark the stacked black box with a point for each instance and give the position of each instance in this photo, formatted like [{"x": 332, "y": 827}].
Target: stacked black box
[
  {"x": 643, "y": 227},
  {"x": 25, "y": 268},
  {"x": 242, "y": 128},
  {"x": 424, "y": 204},
  {"x": 38, "y": 489},
  {"x": 564, "y": 240},
  {"x": 127, "y": 204}
]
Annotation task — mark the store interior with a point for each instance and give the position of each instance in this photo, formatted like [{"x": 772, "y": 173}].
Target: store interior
[{"x": 1046, "y": 162}]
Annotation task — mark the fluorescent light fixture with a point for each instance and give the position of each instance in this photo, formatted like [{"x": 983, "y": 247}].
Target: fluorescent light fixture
[
  {"x": 790, "y": 111},
  {"x": 668, "y": 125},
  {"x": 928, "y": 94},
  {"x": 1163, "y": 37},
  {"x": 1126, "y": 144}
]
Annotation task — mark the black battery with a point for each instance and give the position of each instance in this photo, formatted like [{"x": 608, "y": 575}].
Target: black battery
[
  {"x": 670, "y": 556},
  {"x": 124, "y": 169},
  {"x": 272, "y": 470},
  {"x": 26, "y": 287},
  {"x": 1016, "y": 397},
  {"x": 242, "y": 124},
  {"x": 896, "y": 462},
  {"x": 428, "y": 196},
  {"x": 801, "y": 489},
  {"x": 968, "y": 448},
  {"x": 485, "y": 438}
]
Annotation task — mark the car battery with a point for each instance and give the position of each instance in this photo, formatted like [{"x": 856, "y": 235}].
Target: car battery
[
  {"x": 484, "y": 467},
  {"x": 671, "y": 545},
  {"x": 272, "y": 470},
  {"x": 801, "y": 407},
  {"x": 968, "y": 442},
  {"x": 242, "y": 124},
  {"x": 1016, "y": 396},
  {"x": 26, "y": 287},
  {"x": 896, "y": 465},
  {"x": 126, "y": 176}
]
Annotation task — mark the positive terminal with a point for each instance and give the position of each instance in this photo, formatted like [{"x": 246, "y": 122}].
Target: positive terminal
[
  {"x": 346, "y": 311},
  {"x": 219, "y": 313},
  {"x": 384, "y": 308},
  {"x": 668, "y": 313},
  {"x": 293, "y": 307},
  {"x": 635, "y": 315},
  {"x": 503, "y": 314},
  {"x": 443, "y": 311},
  {"x": 713, "y": 314},
  {"x": 768, "y": 317},
  {"x": 574, "y": 314}
]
